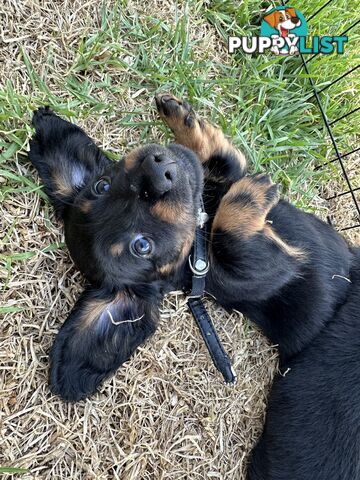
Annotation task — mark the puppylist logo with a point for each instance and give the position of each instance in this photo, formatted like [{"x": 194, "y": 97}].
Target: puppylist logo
[{"x": 283, "y": 31}]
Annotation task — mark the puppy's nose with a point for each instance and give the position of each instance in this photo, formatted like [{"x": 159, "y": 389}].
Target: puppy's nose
[{"x": 161, "y": 172}]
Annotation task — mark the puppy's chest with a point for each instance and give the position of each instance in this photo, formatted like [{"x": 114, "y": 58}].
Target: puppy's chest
[{"x": 212, "y": 196}]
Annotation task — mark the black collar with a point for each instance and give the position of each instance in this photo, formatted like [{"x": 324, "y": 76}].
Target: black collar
[
  {"x": 199, "y": 266},
  {"x": 198, "y": 258}
]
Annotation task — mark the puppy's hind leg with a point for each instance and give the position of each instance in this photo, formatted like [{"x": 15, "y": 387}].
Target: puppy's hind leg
[{"x": 222, "y": 161}]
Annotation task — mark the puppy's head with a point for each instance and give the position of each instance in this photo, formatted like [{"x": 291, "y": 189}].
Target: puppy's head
[
  {"x": 134, "y": 221},
  {"x": 126, "y": 222},
  {"x": 283, "y": 20},
  {"x": 129, "y": 226}
]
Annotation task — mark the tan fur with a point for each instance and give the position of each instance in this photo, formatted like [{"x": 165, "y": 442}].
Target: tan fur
[
  {"x": 290, "y": 250},
  {"x": 255, "y": 189},
  {"x": 202, "y": 137},
  {"x": 273, "y": 19},
  {"x": 167, "y": 268},
  {"x": 92, "y": 312},
  {"x": 117, "y": 249},
  {"x": 62, "y": 187},
  {"x": 291, "y": 12},
  {"x": 85, "y": 206},
  {"x": 94, "y": 309},
  {"x": 244, "y": 221},
  {"x": 131, "y": 159},
  {"x": 235, "y": 218},
  {"x": 170, "y": 212},
  {"x": 247, "y": 219},
  {"x": 184, "y": 252}
]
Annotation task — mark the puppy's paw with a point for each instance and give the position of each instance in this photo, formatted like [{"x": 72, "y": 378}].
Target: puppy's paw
[
  {"x": 41, "y": 114},
  {"x": 201, "y": 137},
  {"x": 244, "y": 209},
  {"x": 177, "y": 114},
  {"x": 293, "y": 50}
]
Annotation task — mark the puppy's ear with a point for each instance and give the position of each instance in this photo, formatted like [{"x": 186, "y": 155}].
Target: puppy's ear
[
  {"x": 102, "y": 332},
  {"x": 291, "y": 11},
  {"x": 65, "y": 157},
  {"x": 272, "y": 19}
]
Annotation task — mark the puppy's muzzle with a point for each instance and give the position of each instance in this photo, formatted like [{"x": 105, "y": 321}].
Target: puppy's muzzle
[{"x": 161, "y": 172}]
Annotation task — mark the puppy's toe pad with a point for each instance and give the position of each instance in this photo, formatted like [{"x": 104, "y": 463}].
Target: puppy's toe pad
[{"x": 175, "y": 109}]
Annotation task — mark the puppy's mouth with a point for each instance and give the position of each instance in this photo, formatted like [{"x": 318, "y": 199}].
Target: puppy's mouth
[{"x": 289, "y": 25}]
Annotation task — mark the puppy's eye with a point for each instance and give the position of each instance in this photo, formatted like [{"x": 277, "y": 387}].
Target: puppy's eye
[
  {"x": 141, "y": 246},
  {"x": 102, "y": 186}
]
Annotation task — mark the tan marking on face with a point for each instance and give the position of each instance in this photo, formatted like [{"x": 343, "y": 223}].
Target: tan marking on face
[
  {"x": 85, "y": 206},
  {"x": 167, "y": 268},
  {"x": 62, "y": 187},
  {"x": 170, "y": 212},
  {"x": 279, "y": 16},
  {"x": 184, "y": 252},
  {"x": 131, "y": 159},
  {"x": 291, "y": 12},
  {"x": 117, "y": 249}
]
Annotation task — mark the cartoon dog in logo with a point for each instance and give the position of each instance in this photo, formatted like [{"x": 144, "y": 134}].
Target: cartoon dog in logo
[{"x": 283, "y": 21}]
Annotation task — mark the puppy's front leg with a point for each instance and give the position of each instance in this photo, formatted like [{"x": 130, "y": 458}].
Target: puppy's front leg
[
  {"x": 250, "y": 260},
  {"x": 222, "y": 161}
]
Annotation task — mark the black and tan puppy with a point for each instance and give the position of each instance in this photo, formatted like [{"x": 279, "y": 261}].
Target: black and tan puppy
[{"x": 130, "y": 227}]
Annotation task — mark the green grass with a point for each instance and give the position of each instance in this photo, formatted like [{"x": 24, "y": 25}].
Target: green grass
[
  {"x": 12, "y": 470},
  {"x": 263, "y": 102}
]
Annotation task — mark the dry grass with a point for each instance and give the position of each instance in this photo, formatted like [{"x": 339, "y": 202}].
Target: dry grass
[
  {"x": 341, "y": 208},
  {"x": 166, "y": 414}
]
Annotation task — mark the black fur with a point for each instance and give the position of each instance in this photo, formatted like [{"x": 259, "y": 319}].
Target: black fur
[
  {"x": 293, "y": 275},
  {"x": 83, "y": 357},
  {"x": 87, "y": 351}
]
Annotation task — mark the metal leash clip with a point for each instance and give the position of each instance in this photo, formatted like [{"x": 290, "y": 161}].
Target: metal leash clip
[{"x": 200, "y": 268}]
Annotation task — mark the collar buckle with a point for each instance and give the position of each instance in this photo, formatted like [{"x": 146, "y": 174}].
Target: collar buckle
[{"x": 201, "y": 267}]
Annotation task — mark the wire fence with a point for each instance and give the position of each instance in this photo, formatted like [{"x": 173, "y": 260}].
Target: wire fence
[{"x": 339, "y": 156}]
